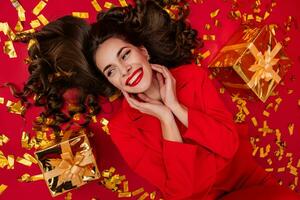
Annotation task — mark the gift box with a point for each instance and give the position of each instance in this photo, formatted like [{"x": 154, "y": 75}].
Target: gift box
[
  {"x": 252, "y": 59},
  {"x": 68, "y": 164}
]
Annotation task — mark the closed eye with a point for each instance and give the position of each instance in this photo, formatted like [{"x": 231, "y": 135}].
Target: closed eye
[
  {"x": 110, "y": 72},
  {"x": 126, "y": 54}
]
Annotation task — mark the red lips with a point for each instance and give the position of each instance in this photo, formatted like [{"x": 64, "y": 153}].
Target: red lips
[{"x": 137, "y": 79}]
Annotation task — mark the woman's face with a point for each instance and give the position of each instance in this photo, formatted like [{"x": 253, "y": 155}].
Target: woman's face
[{"x": 124, "y": 65}]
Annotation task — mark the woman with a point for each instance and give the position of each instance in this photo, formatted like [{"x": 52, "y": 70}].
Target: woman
[{"x": 172, "y": 128}]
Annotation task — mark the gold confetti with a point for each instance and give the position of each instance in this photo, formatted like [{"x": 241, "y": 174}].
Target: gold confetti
[
  {"x": 204, "y": 55},
  {"x": 2, "y": 188},
  {"x": 29, "y": 157},
  {"x": 207, "y": 26},
  {"x": 214, "y": 13},
  {"x": 254, "y": 121},
  {"x": 269, "y": 169},
  {"x": 138, "y": 191},
  {"x": 3, "y": 139},
  {"x": 267, "y": 14},
  {"x": 43, "y": 19},
  {"x": 264, "y": 152},
  {"x": 124, "y": 194},
  {"x": 265, "y": 129},
  {"x": 108, "y": 5},
  {"x": 152, "y": 195},
  {"x": 123, "y": 3},
  {"x": 96, "y": 5},
  {"x": 114, "y": 96},
  {"x": 209, "y": 37},
  {"x": 144, "y": 196},
  {"x": 9, "y": 49},
  {"x": 1, "y": 100},
  {"x": 258, "y": 18},
  {"x": 269, "y": 161},
  {"x": 19, "y": 26},
  {"x": 10, "y": 162},
  {"x": 24, "y": 161},
  {"x": 68, "y": 196},
  {"x": 84, "y": 15},
  {"x": 125, "y": 186},
  {"x": 16, "y": 108},
  {"x": 266, "y": 113},
  {"x": 281, "y": 169},
  {"x": 250, "y": 17},
  {"x": 291, "y": 128},
  {"x": 222, "y": 90},
  {"x": 35, "y": 23},
  {"x": 39, "y": 7}
]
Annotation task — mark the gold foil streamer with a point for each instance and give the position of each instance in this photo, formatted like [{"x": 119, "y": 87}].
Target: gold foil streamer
[
  {"x": 84, "y": 15},
  {"x": 9, "y": 49},
  {"x": 2, "y": 188},
  {"x": 3, "y": 139},
  {"x": 39, "y": 7},
  {"x": 43, "y": 19},
  {"x": 96, "y": 5}
]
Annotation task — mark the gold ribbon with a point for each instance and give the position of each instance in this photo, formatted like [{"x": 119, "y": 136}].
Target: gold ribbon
[
  {"x": 69, "y": 167},
  {"x": 263, "y": 67}
]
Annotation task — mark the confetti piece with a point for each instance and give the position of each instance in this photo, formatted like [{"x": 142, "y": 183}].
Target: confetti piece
[
  {"x": 138, "y": 191},
  {"x": 125, "y": 186},
  {"x": 254, "y": 121},
  {"x": 222, "y": 90},
  {"x": 43, "y": 19},
  {"x": 3, "y": 139},
  {"x": 265, "y": 129},
  {"x": 96, "y": 5},
  {"x": 267, "y": 14},
  {"x": 16, "y": 108},
  {"x": 266, "y": 113},
  {"x": 39, "y": 7},
  {"x": 209, "y": 37},
  {"x": 114, "y": 96},
  {"x": 281, "y": 169},
  {"x": 24, "y": 161},
  {"x": 264, "y": 153},
  {"x": 84, "y": 15},
  {"x": 152, "y": 195},
  {"x": 1, "y": 100},
  {"x": 214, "y": 13},
  {"x": 10, "y": 162},
  {"x": 269, "y": 169},
  {"x": 29, "y": 157},
  {"x": 108, "y": 5},
  {"x": 144, "y": 196},
  {"x": 2, "y": 188},
  {"x": 68, "y": 196},
  {"x": 269, "y": 161},
  {"x": 19, "y": 26},
  {"x": 35, "y": 23},
  {"x": 123, "y": 3},
  {"x": 204, "y": 55},
  {"x": 94, "y": 119},
  {"x": 258, "y": 19},
  {"x": 291, "y": 128},
  {"x": 207, "y": 26},
  {"x": 124, "y": 194},
  {"x": 9, "y": 49}
]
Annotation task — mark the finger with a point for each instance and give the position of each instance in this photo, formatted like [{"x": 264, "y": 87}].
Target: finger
[
  {"x": 160, "y": 80},
  {"x": 158, "y": 69}
]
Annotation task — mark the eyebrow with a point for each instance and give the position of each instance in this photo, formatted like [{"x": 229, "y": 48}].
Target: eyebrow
[{"x": 118, "y": 54}]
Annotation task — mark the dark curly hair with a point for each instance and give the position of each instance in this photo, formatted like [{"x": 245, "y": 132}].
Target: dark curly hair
[
  {"x": 57, "y": 63},
  {"x": 169, "y": 42}
]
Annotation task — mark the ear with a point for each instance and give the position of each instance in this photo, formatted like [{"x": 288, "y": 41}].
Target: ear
[{"x": 145, "y": 52}]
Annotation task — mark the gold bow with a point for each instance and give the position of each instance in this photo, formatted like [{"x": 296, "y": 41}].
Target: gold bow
[
  {"x": 69, "y": 167},
  {"x": 263, "y": 67}
]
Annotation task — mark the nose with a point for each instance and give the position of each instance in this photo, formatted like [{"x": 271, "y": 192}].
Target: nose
[{"x": 125, "y": 69}]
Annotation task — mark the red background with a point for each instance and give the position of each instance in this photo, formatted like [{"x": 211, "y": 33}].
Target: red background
[{"x": 15, "y": 70}]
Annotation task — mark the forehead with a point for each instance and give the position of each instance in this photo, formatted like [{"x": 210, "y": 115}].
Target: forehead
[{"x": 107, "y": 51}]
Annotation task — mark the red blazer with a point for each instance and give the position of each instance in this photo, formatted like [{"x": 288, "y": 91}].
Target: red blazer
[{"x": 206, "y": 164}]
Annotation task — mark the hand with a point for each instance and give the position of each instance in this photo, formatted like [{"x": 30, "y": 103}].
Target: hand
[
  {"x": 167, "y": 85},
  {"x": 149, "y": 106}
]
